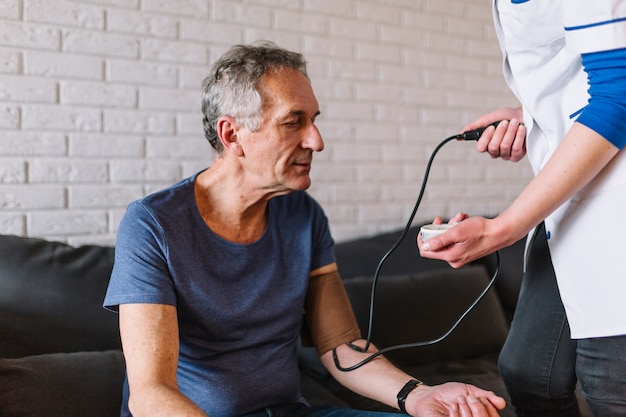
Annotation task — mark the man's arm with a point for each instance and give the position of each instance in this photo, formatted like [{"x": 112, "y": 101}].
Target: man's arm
[
  {"x": 379, "y": 379},
  {"x": 149, "y": 335}
]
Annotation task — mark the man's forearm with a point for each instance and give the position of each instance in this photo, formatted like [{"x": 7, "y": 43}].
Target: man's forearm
[
  {"x": 378, "y": 379},
  {"x": 162, "y": 401}
]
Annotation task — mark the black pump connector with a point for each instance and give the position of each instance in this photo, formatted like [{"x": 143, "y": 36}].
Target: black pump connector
[{"x": 476, "y": 133}]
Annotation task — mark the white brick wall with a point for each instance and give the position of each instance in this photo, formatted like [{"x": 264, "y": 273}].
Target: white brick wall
[{"x": 99, "y": 105}]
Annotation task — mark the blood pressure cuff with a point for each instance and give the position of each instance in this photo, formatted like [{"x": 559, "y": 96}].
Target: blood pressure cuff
[{"x": 328, "y": 317}]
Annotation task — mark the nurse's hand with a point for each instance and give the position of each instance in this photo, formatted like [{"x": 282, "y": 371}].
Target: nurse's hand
[
  {"x": 506, "y": 141},
  {"x": 471, "y": 239}
]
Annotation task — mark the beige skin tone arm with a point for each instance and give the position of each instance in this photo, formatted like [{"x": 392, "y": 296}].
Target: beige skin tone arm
[
  {"x": 381, "y": 380},
  {"x": 151, "y": 353},
  {"x": 578, "y": 159}
]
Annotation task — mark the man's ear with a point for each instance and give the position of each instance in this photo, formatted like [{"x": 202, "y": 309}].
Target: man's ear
[{"x": 227, "y": 134}]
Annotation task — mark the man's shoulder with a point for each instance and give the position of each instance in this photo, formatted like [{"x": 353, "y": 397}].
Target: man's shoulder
[{"x": 167, "y": 201}]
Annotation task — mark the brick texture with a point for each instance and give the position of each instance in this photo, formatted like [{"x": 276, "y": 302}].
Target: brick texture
[{"x": 99, "y": 105}]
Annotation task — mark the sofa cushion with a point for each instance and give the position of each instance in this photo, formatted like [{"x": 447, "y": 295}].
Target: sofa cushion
[
  {"x": 51, "y": 298},
  {"x": 423, "y": 306},
  {"x": 62, "y": 384}
]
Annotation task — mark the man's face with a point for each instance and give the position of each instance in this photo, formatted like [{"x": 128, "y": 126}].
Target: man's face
[{"x": 278, "y": 156}]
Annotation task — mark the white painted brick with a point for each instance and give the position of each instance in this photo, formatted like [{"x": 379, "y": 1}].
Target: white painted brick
[
  {"x": 55, "y": 64},
  {"x": 352, "y": 29},
  {"x": 189, "y": 168},
  {"x": 32, "y": 143},
  {"x": 379, "y": 13},
  {"x": 383, "y": 92},
  {"x": 9, "y": 116},
  {"x": 142, "y": 23},
  {"x": 222, "y": 33},
  {"x": 424, "y": 96},
  {"x": 29, "y": 35},
  {"x": 191, "y": 78},
  {"x": 173, "y": 51},
  {"x": 426, "y": 22},
  {"x": 375, "y": 173},
  {"x": 410, "y": 5},
  {"x": 127, "y": 4},
  {"x": 19, "y": 88},
  {"x": 465, "y": 28},
  {"x": 243, "y": 14},
  {"x": 397, "y": 35},
  {"x": 352, "y": 70},
  {"x": 12, "y": 223},
  {"x": 103, "y": 145},
  {"x": 326, "y": 90},
  {"x": 100, "y": 240},
  {"x": 331, "y": 172},
  {"x": 351, "y": 111},
  {"x": 356, "y": 152},
  {"x": 444, "y": 43},
  {"x": 128, "y": 121},
  {"x": 331, "y": 7},
  {"x": 14, "y": 197},
  {"x": 447, "y": 8},
  {"x": 61, "y": 223},
  {"x": 61, "y": 118},
  {"x": 100, "y": 43},
  {"x": 296, "y": 21},
  {"x": 64, "y": 13},
  {"x": 85, "y": 93},
  {"x": 10, "y": 61},
  {"x": 178, "y": 148},
  {"x": 393, "y": 78},
  {"x": 380, "y": 212},
  {"x": 99, "y": 196},
  {"x": 190, "y": 124},
  {"x": 317, "y": 46},
  {"x": 196, "y": 8},
  {"x": 123, "y": 171},
  {"x": 285, "y": 39},
  {"x": 12, "y": 171},
  {"x": 139, "y": 72},
  {"x": 397, "y": 111},
  {"x": 10, "y": 9},
  {"x": 356, "y": 194},
  {"x": 377, "y": 52},
  {"x": 440, "y": 79},
  {"x": 373, "y": 131},
  {"x": 169, "y": 99},
  {"x": 55, "y": 171}
]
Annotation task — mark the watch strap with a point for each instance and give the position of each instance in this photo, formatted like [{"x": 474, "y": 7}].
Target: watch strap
[{"x": 404, "y": 392}]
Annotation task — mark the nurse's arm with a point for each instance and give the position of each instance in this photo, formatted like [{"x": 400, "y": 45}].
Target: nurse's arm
[{"x": 582, "y": 154}]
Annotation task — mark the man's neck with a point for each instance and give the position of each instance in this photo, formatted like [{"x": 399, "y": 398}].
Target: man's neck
[{"x": 229, "y": 211}]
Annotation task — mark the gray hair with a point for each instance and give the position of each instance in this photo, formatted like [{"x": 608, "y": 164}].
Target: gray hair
[{"x": 233, "y": 85}]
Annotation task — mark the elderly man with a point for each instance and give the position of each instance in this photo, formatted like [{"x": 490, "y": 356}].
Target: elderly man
[{"x": 215, "y": 275}]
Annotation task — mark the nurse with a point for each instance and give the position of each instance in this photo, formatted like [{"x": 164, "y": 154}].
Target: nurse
[{"x": 565, "y": 60}]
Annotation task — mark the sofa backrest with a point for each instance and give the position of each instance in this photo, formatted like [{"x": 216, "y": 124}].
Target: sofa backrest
[
  {"x": 360, "y": 258},
  {"x": 415, "y": 308},
  {"x": 51, "y": 298}
]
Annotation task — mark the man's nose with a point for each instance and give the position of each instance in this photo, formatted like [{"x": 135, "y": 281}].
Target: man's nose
[{"x": 313, "y": 139}]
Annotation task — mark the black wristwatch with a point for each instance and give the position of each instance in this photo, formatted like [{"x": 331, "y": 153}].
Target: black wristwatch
[{"x": 404, "y": 392}]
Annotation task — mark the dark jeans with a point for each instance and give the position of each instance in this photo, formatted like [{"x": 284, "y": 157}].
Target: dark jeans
[
  {"x": 301, "y": 410},
  {"x": 540, "y": 363}
]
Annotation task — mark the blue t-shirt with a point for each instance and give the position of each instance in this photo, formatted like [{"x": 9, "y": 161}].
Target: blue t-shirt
[{"x": 239, "y": 306}]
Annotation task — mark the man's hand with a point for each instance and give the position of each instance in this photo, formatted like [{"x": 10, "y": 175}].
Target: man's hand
[{"x": 453, "y": 399}]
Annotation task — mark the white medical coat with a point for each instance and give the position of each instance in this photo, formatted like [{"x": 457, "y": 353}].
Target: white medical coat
[{"x": 542, "y": 66}]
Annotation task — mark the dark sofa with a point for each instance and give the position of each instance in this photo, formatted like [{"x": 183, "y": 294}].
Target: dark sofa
[{"x": 60, "y": 350}]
